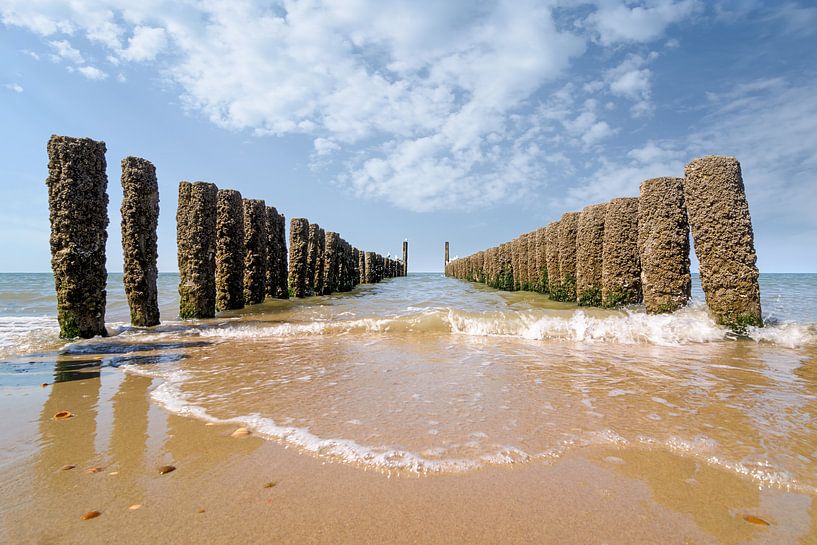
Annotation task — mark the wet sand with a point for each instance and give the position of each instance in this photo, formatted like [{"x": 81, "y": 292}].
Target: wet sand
[{"x": 249, "y": 490}]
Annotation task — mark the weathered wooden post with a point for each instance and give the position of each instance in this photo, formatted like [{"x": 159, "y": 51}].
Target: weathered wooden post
[
  {"x": 361, "y": 265},
  {"x": 140, "y": 217},
  {"x": 255, "y": 251},
  {"x": 516, "y": 250},
  {"x": 229, "y": 250},
  {"x": 541, "y": 260},
  {"x": 355, "y": 267},
  {"x": 663, "y": 245},
  {"x": 568, "y": 225},
  {"x": 446, "y": 252},
  {"x": 78, "y": 206},
  {"x": 331, "y": 265},
  {"x": 405, "y": 257},
  {"x": 621, "y": 269},
  {"x": 312, "y": 251},
  {"x": 724, "y": 240},
  {"x": 298, "y": 242},
  {"x": 589, "y": 252},
  {"x": 196, "y": 248},
  {"x": 554, "y": 276},
  {"x": 277, "y": 272}
]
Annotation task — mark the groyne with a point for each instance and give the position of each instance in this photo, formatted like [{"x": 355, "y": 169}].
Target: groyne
[{"x": 636, "y": 249}]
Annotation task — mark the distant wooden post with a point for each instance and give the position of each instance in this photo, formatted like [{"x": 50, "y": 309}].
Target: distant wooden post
[
  {"x": 405, "y": 257},
  {"x": 277, "y": 271},
  {"x": 361, "y": 265},
  {"x": 554, "y": 276},
  {"x": 255, "y": 251},
  {"x": 229, "y": 250},
  {"x": 78, "y": 205},
  {"x": 298, "y": 242},
  {"x": 663, "y": 245},
  {"x": 589, "y": 254},
  {"x": 568, "y": 224},
  {"x": 724, "y": 240},
  {"x": 621, "y": 268},
  {"x": 196, "y": 248},
  {"x": 312, "y": 250},
  {"x": 446, "y": 252},
  {"x": 541, "y": 274},
  {"x": 140, "y": 217},
  {"x": 331, "y": 264}
]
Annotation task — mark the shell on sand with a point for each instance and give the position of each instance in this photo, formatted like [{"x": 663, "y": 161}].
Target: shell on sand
[
  {"x": 240, "y": 432},
  {"x": 64, "y": 415},
  {"x": 166, "y": 469},
  {"x": 90, "y": 515}
]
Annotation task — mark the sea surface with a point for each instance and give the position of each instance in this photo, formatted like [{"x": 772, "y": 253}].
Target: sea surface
[{"x": 432, "y": 375}]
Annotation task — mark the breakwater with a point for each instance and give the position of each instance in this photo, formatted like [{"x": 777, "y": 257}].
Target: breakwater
[
  {"x": 231, "y": 251},
  {"x": 636, "y": 249}
]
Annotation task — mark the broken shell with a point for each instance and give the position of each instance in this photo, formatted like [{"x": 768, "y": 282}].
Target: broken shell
[
  {"x": 90, "y": 515},
  {"x": 62, "y": 415},
  {"x": 755, "y": 520},
  {"x": 240, "y": 432},
  {"x": 166, "y": 469},
  {"x": 67, "y": 467},
  {"x": 113, "y": 473},
  {"x": 135, "y": 506},
  {"x": 199, "y": 510},
  {"x": 93, "y": 470}
]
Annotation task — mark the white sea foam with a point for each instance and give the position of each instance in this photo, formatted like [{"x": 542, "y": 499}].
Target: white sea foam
[
  {"x": 689, "y": 325},
  {"x": 20, "y": 335}
]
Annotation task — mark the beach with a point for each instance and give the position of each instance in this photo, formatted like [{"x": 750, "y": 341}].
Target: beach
[{"x": 420, "y": 410}]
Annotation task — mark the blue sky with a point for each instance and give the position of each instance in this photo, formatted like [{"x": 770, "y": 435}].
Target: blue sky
[{"x": 432, "y": 121}]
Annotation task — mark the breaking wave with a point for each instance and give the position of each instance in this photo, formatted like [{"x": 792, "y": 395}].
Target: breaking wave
[{"x": 690, "y": 325}]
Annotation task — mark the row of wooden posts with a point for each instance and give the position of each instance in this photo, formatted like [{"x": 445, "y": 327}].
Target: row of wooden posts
[
  {"x": 231, "y": 251},
  {"x": 633, "y": 250}
]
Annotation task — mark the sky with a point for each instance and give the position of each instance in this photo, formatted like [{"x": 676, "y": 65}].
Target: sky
[{"x": 471, "y": 122}]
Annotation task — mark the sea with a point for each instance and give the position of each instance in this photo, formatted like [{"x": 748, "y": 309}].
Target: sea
[{"x": 430, "y": 375}]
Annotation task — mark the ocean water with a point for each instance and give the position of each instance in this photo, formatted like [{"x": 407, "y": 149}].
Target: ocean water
[{"x": 427, "y": 374}]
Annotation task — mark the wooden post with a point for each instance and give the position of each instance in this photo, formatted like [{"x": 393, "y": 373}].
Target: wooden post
[
  {"x": 589, "y": 254},
  {"x": 255, "y": 251},
  {"x": 78, "y": 205},
  {"x": 724, "y": 240},
  {"x": 298, "y": 242},
  {"x": 663, "y": 245},
  {"x": 229, "y": 250},
  {"x": 196, "y": 249},
  {"x": 621, "y": 269},
  {"x": 140, "y": 218}
]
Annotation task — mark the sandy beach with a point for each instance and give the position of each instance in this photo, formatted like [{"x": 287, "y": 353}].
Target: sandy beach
[
  {"x": 435, "y": 412},
  {"x": 248, "y": 490}
]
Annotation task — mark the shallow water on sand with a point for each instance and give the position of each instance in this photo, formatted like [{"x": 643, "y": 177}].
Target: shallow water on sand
[{"x": 427, "y": 374}]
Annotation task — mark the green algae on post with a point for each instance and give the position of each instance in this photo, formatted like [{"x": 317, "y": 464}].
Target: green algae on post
[
  {"x": 255, "y": 251},
  {"x": 78, "y": 211}
]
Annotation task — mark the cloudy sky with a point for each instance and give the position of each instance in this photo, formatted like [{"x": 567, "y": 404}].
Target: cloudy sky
[{"x": 463, "y": 121}]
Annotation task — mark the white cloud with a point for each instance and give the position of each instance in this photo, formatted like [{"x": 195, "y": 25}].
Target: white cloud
[
  {"x": 617, "y": 22},
  {"x": 631, "y": 80},
  {"x": 14, "y": 87},
  {"x": 63, "y": 50},
  {"x": 92, "y": 73},
  {"x": 145, "y": 43},
  {"x": 324, "y": 146}
]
